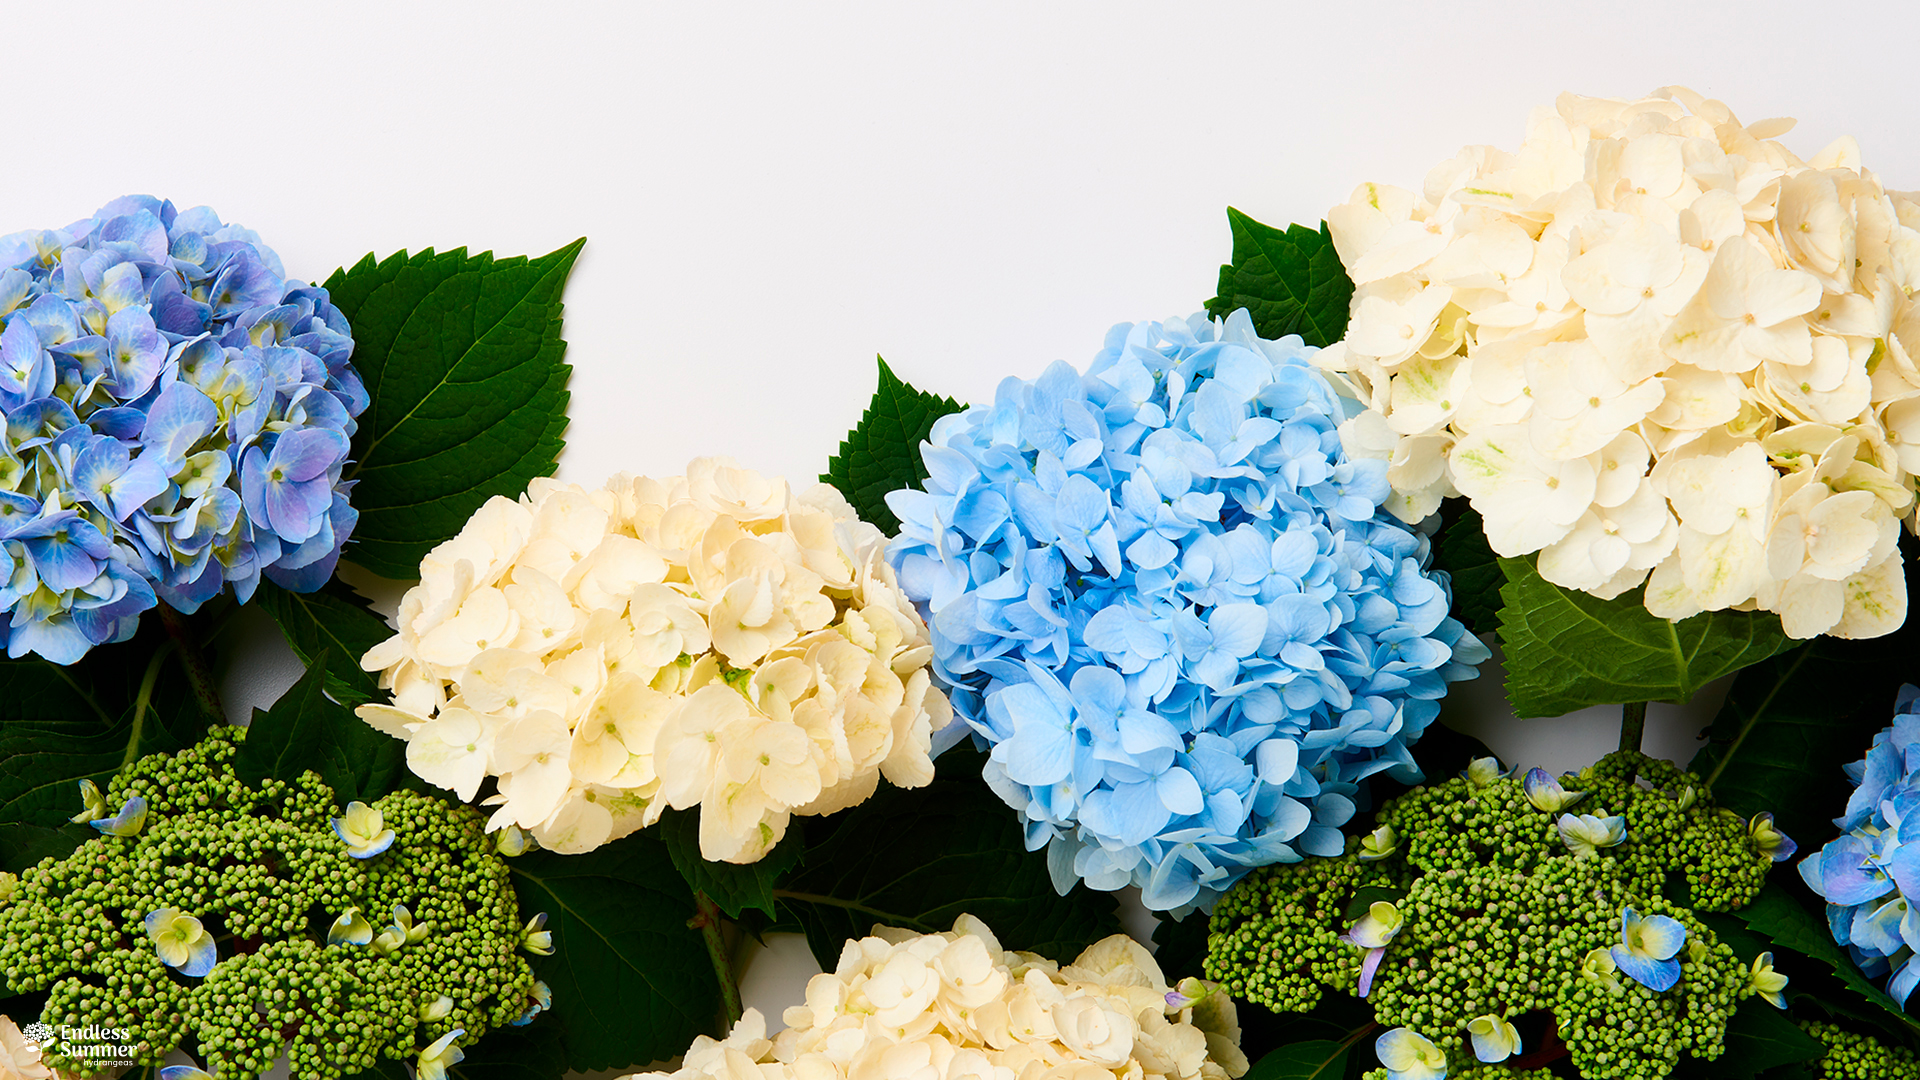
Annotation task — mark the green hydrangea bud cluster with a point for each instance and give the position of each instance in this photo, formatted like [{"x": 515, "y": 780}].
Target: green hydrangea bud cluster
[
  {"x": 1501, "y": 917},
  {"x": 264, "y": 871},
  {"x": 1477, "y": 1071},
  {"x": 1860, "y": 1057}
]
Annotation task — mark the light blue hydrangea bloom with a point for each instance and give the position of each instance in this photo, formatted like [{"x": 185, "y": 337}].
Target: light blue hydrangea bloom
[
  {"x": 177, "y": 419},
  {"x": 1169, "y": 602},
  {"x": 1870, "y": 876}
]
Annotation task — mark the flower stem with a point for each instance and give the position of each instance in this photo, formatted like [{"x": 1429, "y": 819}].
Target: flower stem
[
  {"x": 1633, "y": 725},
  {"x": 707, "y": 921},
  {"x": 199, "y": 672}
]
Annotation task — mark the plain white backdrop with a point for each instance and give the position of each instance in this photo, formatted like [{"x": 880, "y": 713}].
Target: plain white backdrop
[{"x": 773, "y": 194}]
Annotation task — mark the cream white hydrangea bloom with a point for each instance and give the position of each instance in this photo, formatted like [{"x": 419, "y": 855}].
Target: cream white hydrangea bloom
[
  {"x": 708, "y": 640},
  {"x": 955, "y": 1006},
  {"x": 1651, "y": 345}
]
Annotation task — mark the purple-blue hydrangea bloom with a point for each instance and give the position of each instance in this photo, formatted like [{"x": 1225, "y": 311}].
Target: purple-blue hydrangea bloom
[
  {"x": 1870, "y": 875},
  {"x": 1168, "y": 601},
  {"x": 177, "y": 420}
]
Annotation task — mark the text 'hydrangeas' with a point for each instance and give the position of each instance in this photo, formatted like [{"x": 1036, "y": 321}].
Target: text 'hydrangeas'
[
  {"x": 955, "y": 1006},
  {"x": 1870, "y": 876},
  {"x": 1165, "y": 596},
  {"x": 706, "y": 640},
  {"x": 1496, "y": 917},
  {"x": 177, "y": 419},
  {"x": 235, "y": 927},
  {"x": 1652, "y": 346}
]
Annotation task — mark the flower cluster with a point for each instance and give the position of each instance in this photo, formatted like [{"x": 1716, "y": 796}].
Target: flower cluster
[
  {"x": 1653, "y": 346},
  {"x": 177, "y": 419},
  {"x": 1472, "y": 906},
  {"x": 706, "y": 640},
  {"x": 1870, "y": 876},
  {"x": 954, "y": 1006},
  {"x": 1166, "y": 598},
  {"x": 196, "y": 930}
]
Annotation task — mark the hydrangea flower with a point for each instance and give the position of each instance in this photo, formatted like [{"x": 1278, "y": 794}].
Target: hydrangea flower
[
  {"x": 363, "y": 830},
  {"x": 1652, "y": 345},
  {"x": 1870, "y": 875},
  {"x": 177, "y": 420},
  {"x": 1167, "y": 599},
  {"x": 1648, "y": 945},
  {"x": 1409, "y": 1055},
  {"x": 1494, "y": 1038},
  {"x": 182, "y": 942},
  {"x": 711, "y": 641},
  {"x": 901, "y": 1004}
]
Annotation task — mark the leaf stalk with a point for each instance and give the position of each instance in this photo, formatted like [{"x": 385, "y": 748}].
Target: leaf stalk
[
  {"x": 707, "y": 921},
  {"x": 192, "y": 658},
  {"x": 1633, "y": 725}
]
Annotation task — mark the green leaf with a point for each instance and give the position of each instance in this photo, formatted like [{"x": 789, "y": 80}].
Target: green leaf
[
  {"x": 535, "y": 1052},
  {"x": 1789, "y": 724},
  {"x": 66, "y": 724},
  {"x": 335, "y": 619},
  {"x": 1180, "y": 944},
  {"x": 1320, "y": 1059},
  {"x": 304, "y": 730},
  {"x": 1463, "y": 553},
  {"x": 462, "y": 359},
  {"x": 21, "y": 846},
  {"x": 735, "y": 888},
  {"x": 1290, "y": 282},
  {"x": 631, "y": 982},
  {"x": 1566, "y": 650},
  {"x": 1776, "y": 915},
  {"x": 967, "y": 855},
  {"x": 882, "y": 452},
  {"x": 1363, "y": 899},
  {"x": 1760, "y": 1037}
]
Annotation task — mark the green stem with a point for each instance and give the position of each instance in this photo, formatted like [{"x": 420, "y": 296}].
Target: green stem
[
  {"x": 199, "y": 673},
  {"x": 142, "y": 701},
  {"x": 708, "y": 923},
  {"x": 1633, "y": 725}
]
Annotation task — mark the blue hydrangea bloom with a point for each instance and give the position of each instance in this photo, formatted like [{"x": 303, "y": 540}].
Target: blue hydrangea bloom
[
  {"x": 1168, "y": 601},
  {"x": 1870, "y": 875},
  {"x": 177, "y": 420}
]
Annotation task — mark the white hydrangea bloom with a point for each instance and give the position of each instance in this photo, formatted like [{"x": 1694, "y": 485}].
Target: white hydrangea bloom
[
  {"x": 704, "y": 641},
  {"x": 1652, "y": 346},
  {"x": 955, "y": 1006}
]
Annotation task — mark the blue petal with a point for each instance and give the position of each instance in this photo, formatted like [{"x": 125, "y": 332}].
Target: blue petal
[{"x": 1655, "y": 975}]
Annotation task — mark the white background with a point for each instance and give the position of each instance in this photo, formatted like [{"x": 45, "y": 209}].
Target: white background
[{"x": 774, "y": 194}]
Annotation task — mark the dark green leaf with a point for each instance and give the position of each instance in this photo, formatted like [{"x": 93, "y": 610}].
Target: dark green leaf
[
  {"x": 290, "y": 737},
  {"x": 462, "y": 359},
  {"x": 1776, "y": 915},
  {"x": 1363, "y": 899},
  {"x": 1463, "y": 553},
  {"x": 882, "y": 452},
  {"x": 21, "y": 846},
  {"x": 535, "y": 1052},
  {"x": 1566, "y": 650},
  {"x": 1317, "y": 1060},
  {"x": 966, "y": 856},
  {"x": 1761, "y": 1037},
  {"x": 335, "y": 619},
  {"x": 631, "y": 983},
  {"x": 1291, "y": 282},
  {"x": 1180, "y": 944},
  {"x": 304, "y": 730},
  {"x": 734, "y": 888},
  {"x": 59, "y": 726},
  {"x": 1789, "y": 725}
]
